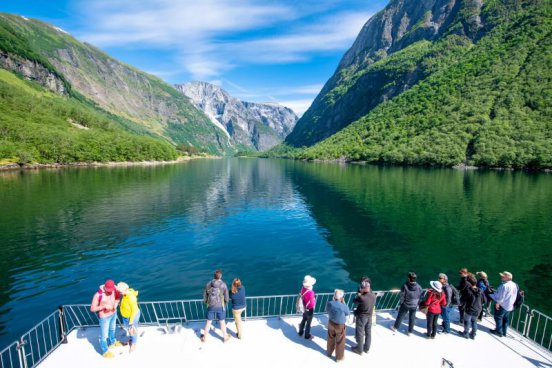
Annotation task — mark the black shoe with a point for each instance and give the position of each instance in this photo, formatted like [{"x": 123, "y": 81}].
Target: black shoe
[
  {"x": 464, "y": 335},
  {"x": 472, "y": 337},
  {"x": 496, "y": 333},
  {"x": 357, "y": 351},
  {"x": 432, "y": 337},
  {"x": 366, "y": 351},
  {"x": 300, "y": 333}
]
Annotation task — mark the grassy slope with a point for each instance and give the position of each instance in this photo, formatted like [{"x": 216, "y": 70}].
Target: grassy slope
[
  {"x": 37, "y": 125},
  {"x": 491, "y": 107},
  {"x": 184, "y": 124}
]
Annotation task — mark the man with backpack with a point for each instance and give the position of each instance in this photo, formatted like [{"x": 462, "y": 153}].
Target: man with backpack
[
  {"x": 215, "y": 296},
  {"x": 505, "y": 298},
  {"x": 105, "y": 302}
]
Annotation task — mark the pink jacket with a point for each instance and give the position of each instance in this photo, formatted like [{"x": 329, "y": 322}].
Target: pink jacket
[{"x": 309, "y": 299}]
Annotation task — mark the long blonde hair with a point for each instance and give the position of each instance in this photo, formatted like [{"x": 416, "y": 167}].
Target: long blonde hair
[{"x": 235, "y": 285}]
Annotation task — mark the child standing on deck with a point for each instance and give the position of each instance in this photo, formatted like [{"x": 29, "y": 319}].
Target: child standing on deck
[{"x": 130, "y": 312}]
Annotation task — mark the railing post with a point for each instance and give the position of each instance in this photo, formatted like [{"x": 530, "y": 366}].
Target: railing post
[
  {"x": 280, "y": 312},
  {"x": 21, "y": 353},
  {"x": 527, "y": 323},
  {"x": 62, "y": 331}
]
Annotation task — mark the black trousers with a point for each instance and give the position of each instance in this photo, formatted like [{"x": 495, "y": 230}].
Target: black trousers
[
  {"x": 432, "y": 319},
  {"x": 305, "y": 325},
  {"x": 411, "y": 317},
  {"x": 363, "y": 332}
]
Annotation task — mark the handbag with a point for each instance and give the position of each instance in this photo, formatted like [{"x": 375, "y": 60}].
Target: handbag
[{"x": 424, "y": 309}]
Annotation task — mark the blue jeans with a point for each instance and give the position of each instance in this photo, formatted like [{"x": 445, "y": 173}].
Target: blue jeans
[
  {"x": 470, "y": 321},
  {"x": 501, "y": 320},
  {"x": 445, "y": 315},
  {"x": 107, "y": 332},
  {"x": 133, "y": 338}
]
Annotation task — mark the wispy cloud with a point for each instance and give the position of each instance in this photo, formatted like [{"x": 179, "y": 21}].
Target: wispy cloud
[{"x": 210, "y": 37}]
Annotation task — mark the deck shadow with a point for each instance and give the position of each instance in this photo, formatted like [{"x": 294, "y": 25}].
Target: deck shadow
[
  {"x": 290, "y": 331},
  {"x": 92, "y": 334},
  {"x": 538, "y": 363}
]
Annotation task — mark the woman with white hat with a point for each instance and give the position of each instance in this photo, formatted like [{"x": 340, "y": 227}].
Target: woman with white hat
[
  {"x": 309, "y": 302},
  {"x": 434, "y": 301}
]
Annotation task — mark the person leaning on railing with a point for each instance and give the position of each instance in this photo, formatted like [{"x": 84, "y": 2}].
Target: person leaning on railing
[{"x": 105, "y": 303}]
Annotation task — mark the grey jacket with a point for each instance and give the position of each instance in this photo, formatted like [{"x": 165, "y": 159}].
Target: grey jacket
[{"x": 410, "y": 294}]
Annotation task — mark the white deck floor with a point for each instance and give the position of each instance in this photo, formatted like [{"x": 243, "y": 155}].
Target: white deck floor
[{"x": 274, "y": 342}]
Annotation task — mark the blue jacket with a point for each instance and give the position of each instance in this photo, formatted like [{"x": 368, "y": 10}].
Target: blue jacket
[
  {"x": 238, "y": 299},
  {"x": 337, "y": 312}
]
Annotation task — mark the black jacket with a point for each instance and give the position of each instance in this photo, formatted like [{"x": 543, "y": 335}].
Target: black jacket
[
  {"x": 365, "y": 303},
  {"x": 473, "y": 301}
]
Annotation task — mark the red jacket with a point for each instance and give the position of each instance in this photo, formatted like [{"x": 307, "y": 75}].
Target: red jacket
[{"x": 435, "y": 300}]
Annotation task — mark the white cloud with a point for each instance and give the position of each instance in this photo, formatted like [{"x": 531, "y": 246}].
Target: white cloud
[
  {"x": 298, "y": 106},
  {"x": 210, "y": 37}
]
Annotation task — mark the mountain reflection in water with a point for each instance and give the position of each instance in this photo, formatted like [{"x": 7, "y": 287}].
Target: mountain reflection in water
[{"x": 164, "y": 229}]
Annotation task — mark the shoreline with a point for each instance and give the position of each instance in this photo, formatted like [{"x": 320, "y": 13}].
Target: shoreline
[
  {"x": 461, "y": 167},
  {"x": 14, "y": 167}
]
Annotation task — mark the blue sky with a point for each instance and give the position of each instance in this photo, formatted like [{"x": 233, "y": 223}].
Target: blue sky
[{"x": 258, "y": 50}]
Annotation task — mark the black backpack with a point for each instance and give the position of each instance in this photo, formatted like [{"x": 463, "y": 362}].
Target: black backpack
[{"x": 520, "y": 299}]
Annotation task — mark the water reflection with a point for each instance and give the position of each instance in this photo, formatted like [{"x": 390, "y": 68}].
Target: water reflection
[{"x": 164, "y": 229}]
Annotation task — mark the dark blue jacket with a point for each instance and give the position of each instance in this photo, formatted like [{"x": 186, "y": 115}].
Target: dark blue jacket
[{"x": 238, "y": 299}]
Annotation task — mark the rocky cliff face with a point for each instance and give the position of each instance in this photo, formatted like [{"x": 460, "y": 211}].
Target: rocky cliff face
[
  {"x": 363, "y": 80},
  {"x": 32, "y": 70},
  {"x": 251, "y": 125}
]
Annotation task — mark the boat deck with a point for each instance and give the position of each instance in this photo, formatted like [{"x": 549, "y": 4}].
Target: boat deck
[{"x": 273, "y": 342}]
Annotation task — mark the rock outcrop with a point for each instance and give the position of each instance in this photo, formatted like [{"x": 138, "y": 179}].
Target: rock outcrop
[{"x": 32, "y": 70}]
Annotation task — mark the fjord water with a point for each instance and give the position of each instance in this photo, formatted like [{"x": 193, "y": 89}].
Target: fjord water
[{"x": 164, "y": 229}]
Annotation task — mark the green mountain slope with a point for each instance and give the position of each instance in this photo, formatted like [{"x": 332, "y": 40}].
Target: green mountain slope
[
  {"x": 37, "y": 125},
  {"x": 481, "y": 97},
  {"x": 114, "y": 86}
]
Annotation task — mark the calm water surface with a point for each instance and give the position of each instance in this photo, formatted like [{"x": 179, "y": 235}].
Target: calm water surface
[{"x": 165, "y": 229}]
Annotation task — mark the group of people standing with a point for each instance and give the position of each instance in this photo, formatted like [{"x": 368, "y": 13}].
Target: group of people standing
[
  {"x": 472, "y": 297},
  {"x": 338, "y": 312}
]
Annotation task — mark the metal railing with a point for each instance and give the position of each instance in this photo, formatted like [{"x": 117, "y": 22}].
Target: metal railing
[{"x": 35, "y": 345}]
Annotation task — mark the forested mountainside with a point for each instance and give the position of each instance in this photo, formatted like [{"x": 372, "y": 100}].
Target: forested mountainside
[
  {"x": 441, "y": 83},
  {"x": 254, "y": 126},
  {"x": 130, "y": 99}
]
